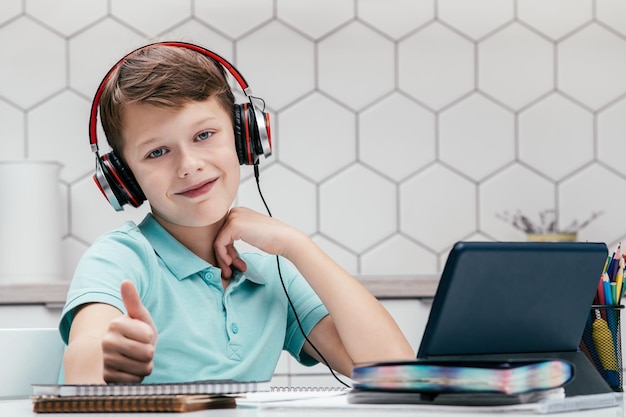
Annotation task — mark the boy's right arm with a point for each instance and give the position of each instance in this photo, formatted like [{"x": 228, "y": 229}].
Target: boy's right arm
[
  {"x": 108, "y": 346},
  {"x": 82, "y": 361}
]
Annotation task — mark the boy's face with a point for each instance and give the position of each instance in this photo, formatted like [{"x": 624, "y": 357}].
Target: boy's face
[{"x": 184, "y": 160}]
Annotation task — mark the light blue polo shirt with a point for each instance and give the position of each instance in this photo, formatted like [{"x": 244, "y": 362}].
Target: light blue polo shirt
[{"x": 204, "y": 331}]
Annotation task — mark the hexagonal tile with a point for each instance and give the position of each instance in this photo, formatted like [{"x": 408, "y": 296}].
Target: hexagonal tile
[
  {"x": 611, "y": 127},
  {"x": 470, "y": 127},
  {"x": 516, "y": 66},
  {"x": 436, "y": 66},
  {"x": 134, "y": 14},
  {"x": 10, "y": 9},
  {"x": 437, "y": 207},
  {"x": 27, "y": 45},
  {"x": 262, "y": 56},
  {"x": 411, "y": 317},
  {"x": 347, "y": 70},
  {"x": 585, "y": 193},
  {"x": 396, "y": 136},
  {"x": 316, "y": 137},
  {"x": 72, "y": 250},
  {"x": 62, "y": 119},
  {"x": 291, "y": 198},
  {"x": 401, "y": 257},
  {"x": 512, "y": 190},
  {"x": 549, "y": 18},
  {"x": 339, "y": 254},
  {"x": 592, "y": 64},
  {"x": 94, "y": 51},
  {"x": 476, "y": 18},
  {"x": 315, "y": 19},
  {"x": 357, "y": 208},
  {"x": 67, "y": 16},
  {"x": 92, "y": 215},
  {"x": 12, "y": 137},
  {"x": 396, "y": 18},
  {"x": 234, "y": 20},
  {"x": 550, "y": 127},
  {"x": 612, "y": 13},
  {"x": 195, "y": 32}
]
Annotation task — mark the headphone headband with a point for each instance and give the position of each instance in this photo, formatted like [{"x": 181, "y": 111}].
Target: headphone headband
[{"x": 93, "y": 115}]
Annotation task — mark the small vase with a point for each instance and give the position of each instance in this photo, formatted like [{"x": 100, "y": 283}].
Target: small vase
[{"x": 551, "y": 237}]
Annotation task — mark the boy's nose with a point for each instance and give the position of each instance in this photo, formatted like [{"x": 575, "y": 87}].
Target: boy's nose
[{"x": 189, "y": 163}]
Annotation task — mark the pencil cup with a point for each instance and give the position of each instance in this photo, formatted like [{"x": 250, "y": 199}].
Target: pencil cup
[{"x": 602, "y": 343}]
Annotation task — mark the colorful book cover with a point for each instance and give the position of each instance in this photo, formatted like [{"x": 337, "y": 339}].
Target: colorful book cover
[{"x": 506, "y": 378}]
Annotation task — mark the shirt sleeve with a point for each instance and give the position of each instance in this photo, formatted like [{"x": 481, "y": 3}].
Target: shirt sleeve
[{"x": 113, "y": 258}]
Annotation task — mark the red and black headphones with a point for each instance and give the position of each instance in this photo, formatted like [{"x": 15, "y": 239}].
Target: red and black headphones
[{"x": 251, "y": 124}]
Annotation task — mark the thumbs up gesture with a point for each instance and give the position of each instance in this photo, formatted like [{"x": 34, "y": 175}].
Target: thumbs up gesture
[{"x": 130, "y": 342}]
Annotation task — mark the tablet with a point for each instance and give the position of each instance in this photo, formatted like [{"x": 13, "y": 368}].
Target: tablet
[{"x": 513, "y": 297}]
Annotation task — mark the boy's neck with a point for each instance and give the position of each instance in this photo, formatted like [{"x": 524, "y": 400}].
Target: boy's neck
[{"x": 199, "y": 240}]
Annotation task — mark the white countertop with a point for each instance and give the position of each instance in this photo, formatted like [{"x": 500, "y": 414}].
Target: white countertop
[{"x": 332, "y": 407}]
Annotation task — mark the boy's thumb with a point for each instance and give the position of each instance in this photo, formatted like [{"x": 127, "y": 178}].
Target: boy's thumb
[{"x": 134, "y": 308}]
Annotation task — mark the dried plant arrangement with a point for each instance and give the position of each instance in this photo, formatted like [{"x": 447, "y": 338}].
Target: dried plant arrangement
[{"x": 547, "y": 224}]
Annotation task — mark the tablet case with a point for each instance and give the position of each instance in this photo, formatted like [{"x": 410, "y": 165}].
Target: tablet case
[{"x": 517, "y": 300}]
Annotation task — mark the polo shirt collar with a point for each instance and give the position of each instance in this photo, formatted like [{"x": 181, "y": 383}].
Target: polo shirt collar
[{"x": 182, "y": 262}]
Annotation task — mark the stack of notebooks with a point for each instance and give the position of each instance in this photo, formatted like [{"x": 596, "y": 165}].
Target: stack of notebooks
[
  {"x": 171, "y": 397},
  {"x": 460, "y": 383}
]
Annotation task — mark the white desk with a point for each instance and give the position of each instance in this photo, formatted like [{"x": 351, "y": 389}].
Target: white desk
[{"x": 23, "y": 408}]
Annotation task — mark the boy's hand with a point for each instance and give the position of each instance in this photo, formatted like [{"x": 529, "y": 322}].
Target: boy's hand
[
  {"x": 256, "y": 229},
  {"x": 130, "y": 342}
]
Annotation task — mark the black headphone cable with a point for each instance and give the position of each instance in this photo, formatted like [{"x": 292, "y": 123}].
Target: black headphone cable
[{"x": 293, "y": 308}]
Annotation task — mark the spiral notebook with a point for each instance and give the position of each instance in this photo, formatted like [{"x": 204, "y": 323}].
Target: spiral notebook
[
  {"x": 130, "y": 403},
  {"x": 207, "y": 387},
  {"x": 282, "y": 394}
]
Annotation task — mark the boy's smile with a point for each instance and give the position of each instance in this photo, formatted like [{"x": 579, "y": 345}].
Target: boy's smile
[
  {"x": 184, "y": 159},
  {"x": 198, "y": 189}
]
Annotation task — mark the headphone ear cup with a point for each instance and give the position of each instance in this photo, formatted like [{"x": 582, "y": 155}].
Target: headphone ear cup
[
  {"x": 247, "y": 139},
  {"x": 121, "y": 180},
  {"x": 240, "y": 140},
  {"x": 106, "y": 185}
]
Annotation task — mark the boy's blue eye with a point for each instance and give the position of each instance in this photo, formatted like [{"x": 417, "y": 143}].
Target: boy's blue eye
[
  {"x": 156, "y": 153},
  {"x": 204, "y": 135}
]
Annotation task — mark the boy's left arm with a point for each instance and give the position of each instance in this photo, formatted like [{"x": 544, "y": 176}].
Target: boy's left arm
[{"x": 358, "y": 329}]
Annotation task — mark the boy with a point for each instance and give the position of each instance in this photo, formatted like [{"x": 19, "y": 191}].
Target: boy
[{"x": 171, "y": 299}]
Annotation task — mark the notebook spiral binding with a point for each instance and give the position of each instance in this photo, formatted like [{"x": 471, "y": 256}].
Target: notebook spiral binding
[{"x": 308, "y": 389}]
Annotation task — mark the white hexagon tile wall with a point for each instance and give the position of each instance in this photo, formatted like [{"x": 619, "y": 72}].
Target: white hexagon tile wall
[{"x": 400, "y": 127}]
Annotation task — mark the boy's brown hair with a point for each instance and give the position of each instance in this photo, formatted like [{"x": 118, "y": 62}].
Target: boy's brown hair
[{"x": 166, "y": 76}]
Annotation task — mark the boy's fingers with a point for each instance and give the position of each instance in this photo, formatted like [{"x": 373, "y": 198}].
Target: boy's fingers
[{"x": 132, "y": 302}]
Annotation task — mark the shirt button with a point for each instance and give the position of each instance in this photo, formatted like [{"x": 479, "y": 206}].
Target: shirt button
[
  {"x": 208, "y": 276},
  {"x": 234, "y": 328}
]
